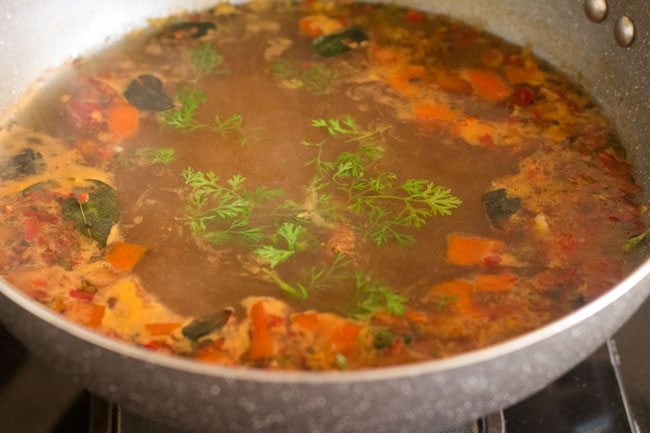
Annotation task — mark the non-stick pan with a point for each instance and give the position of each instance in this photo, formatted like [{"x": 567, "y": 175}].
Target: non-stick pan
[{"x": 413, "y": 398}]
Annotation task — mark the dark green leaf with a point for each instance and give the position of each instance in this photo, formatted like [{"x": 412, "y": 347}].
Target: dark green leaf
[
  {"x": 98, "y": 215},
  {"x": 205, "y": 325},
  {"x": 337, "y": 43},
  {"x": 383, "y": 339},
  {"x": 146, "y": 94},
  {"x": 26, "y": 163},
  {"x": 499, "y": 207}
]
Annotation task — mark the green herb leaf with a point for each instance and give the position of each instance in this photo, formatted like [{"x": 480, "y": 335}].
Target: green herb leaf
[
  {"x": 318, "y": 78},
  {"x": 162, "y": 156},
  {"x": 146, "y": 94},
  {"x": 273, "y": 255},
  {"x": 337, "y": 43},
  {"x": 234, "y": 125},
  {"x": 182, "y": 116},
  {"x": 373, "y": 296},
  {"x": 632, "y": 243},
  {"x": 206, "y": 60}
]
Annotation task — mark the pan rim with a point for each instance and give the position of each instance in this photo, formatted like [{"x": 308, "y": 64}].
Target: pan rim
[{"x": 186, "y": 365}]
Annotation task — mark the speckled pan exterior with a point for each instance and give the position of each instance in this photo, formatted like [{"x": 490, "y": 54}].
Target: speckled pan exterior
[{"x": 413, "y": 398}]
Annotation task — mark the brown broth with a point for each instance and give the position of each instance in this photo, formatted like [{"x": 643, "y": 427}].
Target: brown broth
[{"x": 541, "y": 139}]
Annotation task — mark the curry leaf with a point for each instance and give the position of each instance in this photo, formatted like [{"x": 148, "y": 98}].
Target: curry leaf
[
  {"x": 146, "y": 94},
  {"x": 206, "y": 325},
  {"x": 337, "y": 43},
  {"x": 96, "y": 216}
]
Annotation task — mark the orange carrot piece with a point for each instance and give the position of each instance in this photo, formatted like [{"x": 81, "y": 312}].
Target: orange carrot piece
[
  {"x": 417, "y": 316},
  {"x": 496, "y": 282},
  {"x": 344, "y": 336},
  {"x": 306, "y": 321},
  {"x": 461, "y": 291},
  {"x": 96, "y": 316},
  {"x": 213, "y": 353},
  {"x": 317, "y": 25},
  {"x": 523, "y": 74},
  {"x": 432, "y": 112},
  {"x": 261, "y": 345},
  {"x": 123, "y": 256},
  {"x": 123, "y": 120},
  {"x": 164, "y": 328},
  {"x": 491, "y": 57},
  {"x": 469, "y": 250},
  {"x": 487, "y": 84},
  {"x": 452, "y": 83}
]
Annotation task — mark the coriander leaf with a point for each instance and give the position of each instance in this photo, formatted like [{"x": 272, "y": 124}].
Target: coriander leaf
[
  {"x": 182, "y": 116},
  {"x": 291, "y": 233},
  {"x": 162, "y": 156},
  {"x": 273, "y": 255},
  {"x": 206, "y": 60},
  {"x": 373, "y": 296}
]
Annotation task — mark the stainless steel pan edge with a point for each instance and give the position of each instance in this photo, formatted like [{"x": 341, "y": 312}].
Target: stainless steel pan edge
[{"x": 411, "y": 398}]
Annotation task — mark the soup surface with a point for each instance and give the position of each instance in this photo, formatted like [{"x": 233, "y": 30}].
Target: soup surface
[{"x": 313, "y": 186}]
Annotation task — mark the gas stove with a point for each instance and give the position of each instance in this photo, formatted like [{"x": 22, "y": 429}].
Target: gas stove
[{"x": 607, "y": 393}]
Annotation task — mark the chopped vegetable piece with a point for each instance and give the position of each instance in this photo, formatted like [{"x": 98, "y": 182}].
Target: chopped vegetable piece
[
  {"x": 124, "y": 256},
  {"x": 499, "y": 207},
  {"x": 432, "y": 112},
  {"x": 487, "y": 84},
  {"x": 468, "y": 250},
  {"x": 337, "y": 43},
  {"x": 261, "y": 345},
  {"x": 496, "y": 282},
  {"x": 631, "y": 243},
  {"x": 188, "y": 30},
  {"x": 206, "y": 325},
  {"x": 122, "y": 120},
  {"x": 146, "y": 94},
  {"x": 317, "y": 25},
  {"x": 159, "y": 329},
  {"x": 81, "y": 294},
  {"x": 452, "y": 83},
  {"x": 460, "y": 293},
  {"x": 523, "y": 74}
]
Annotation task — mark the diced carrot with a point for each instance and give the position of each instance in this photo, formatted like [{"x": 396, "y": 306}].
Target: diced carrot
[
  {"x": 470, "y": 250},
  {"x": 86, "y": 314},
  {"x": 528, "y": 74},
  {"x": 81, "y": 294},
  {"x": 317, "y": 25},
  {"x": 487, "y": 84},
  {"x": 452, "y": 83},
  {"x": 403, "y": 79},
  {"x": 491, "y": 57},
  {"x": 433, "y": 112},
  {"x": 122, "y": 120},
  {"x": 306, "y": 321},
  {"x": 417, "y": 316},
  {"x": 164, "y": 328},
  {"x": 344, "y": 336},
  {"x": 496, "y": 282},
  {"x": 474, "y": 131},
  {"x": 123, "y": 256},
  {"x": 461, "y": 291},
  {"x": 213, "y": 353},
  {"x": 96, "y": 316},
  {"x": 261, "y": 345}
]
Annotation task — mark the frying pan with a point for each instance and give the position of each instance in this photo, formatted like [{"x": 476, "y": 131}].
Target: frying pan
[{"x": 415, "y": 398}]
